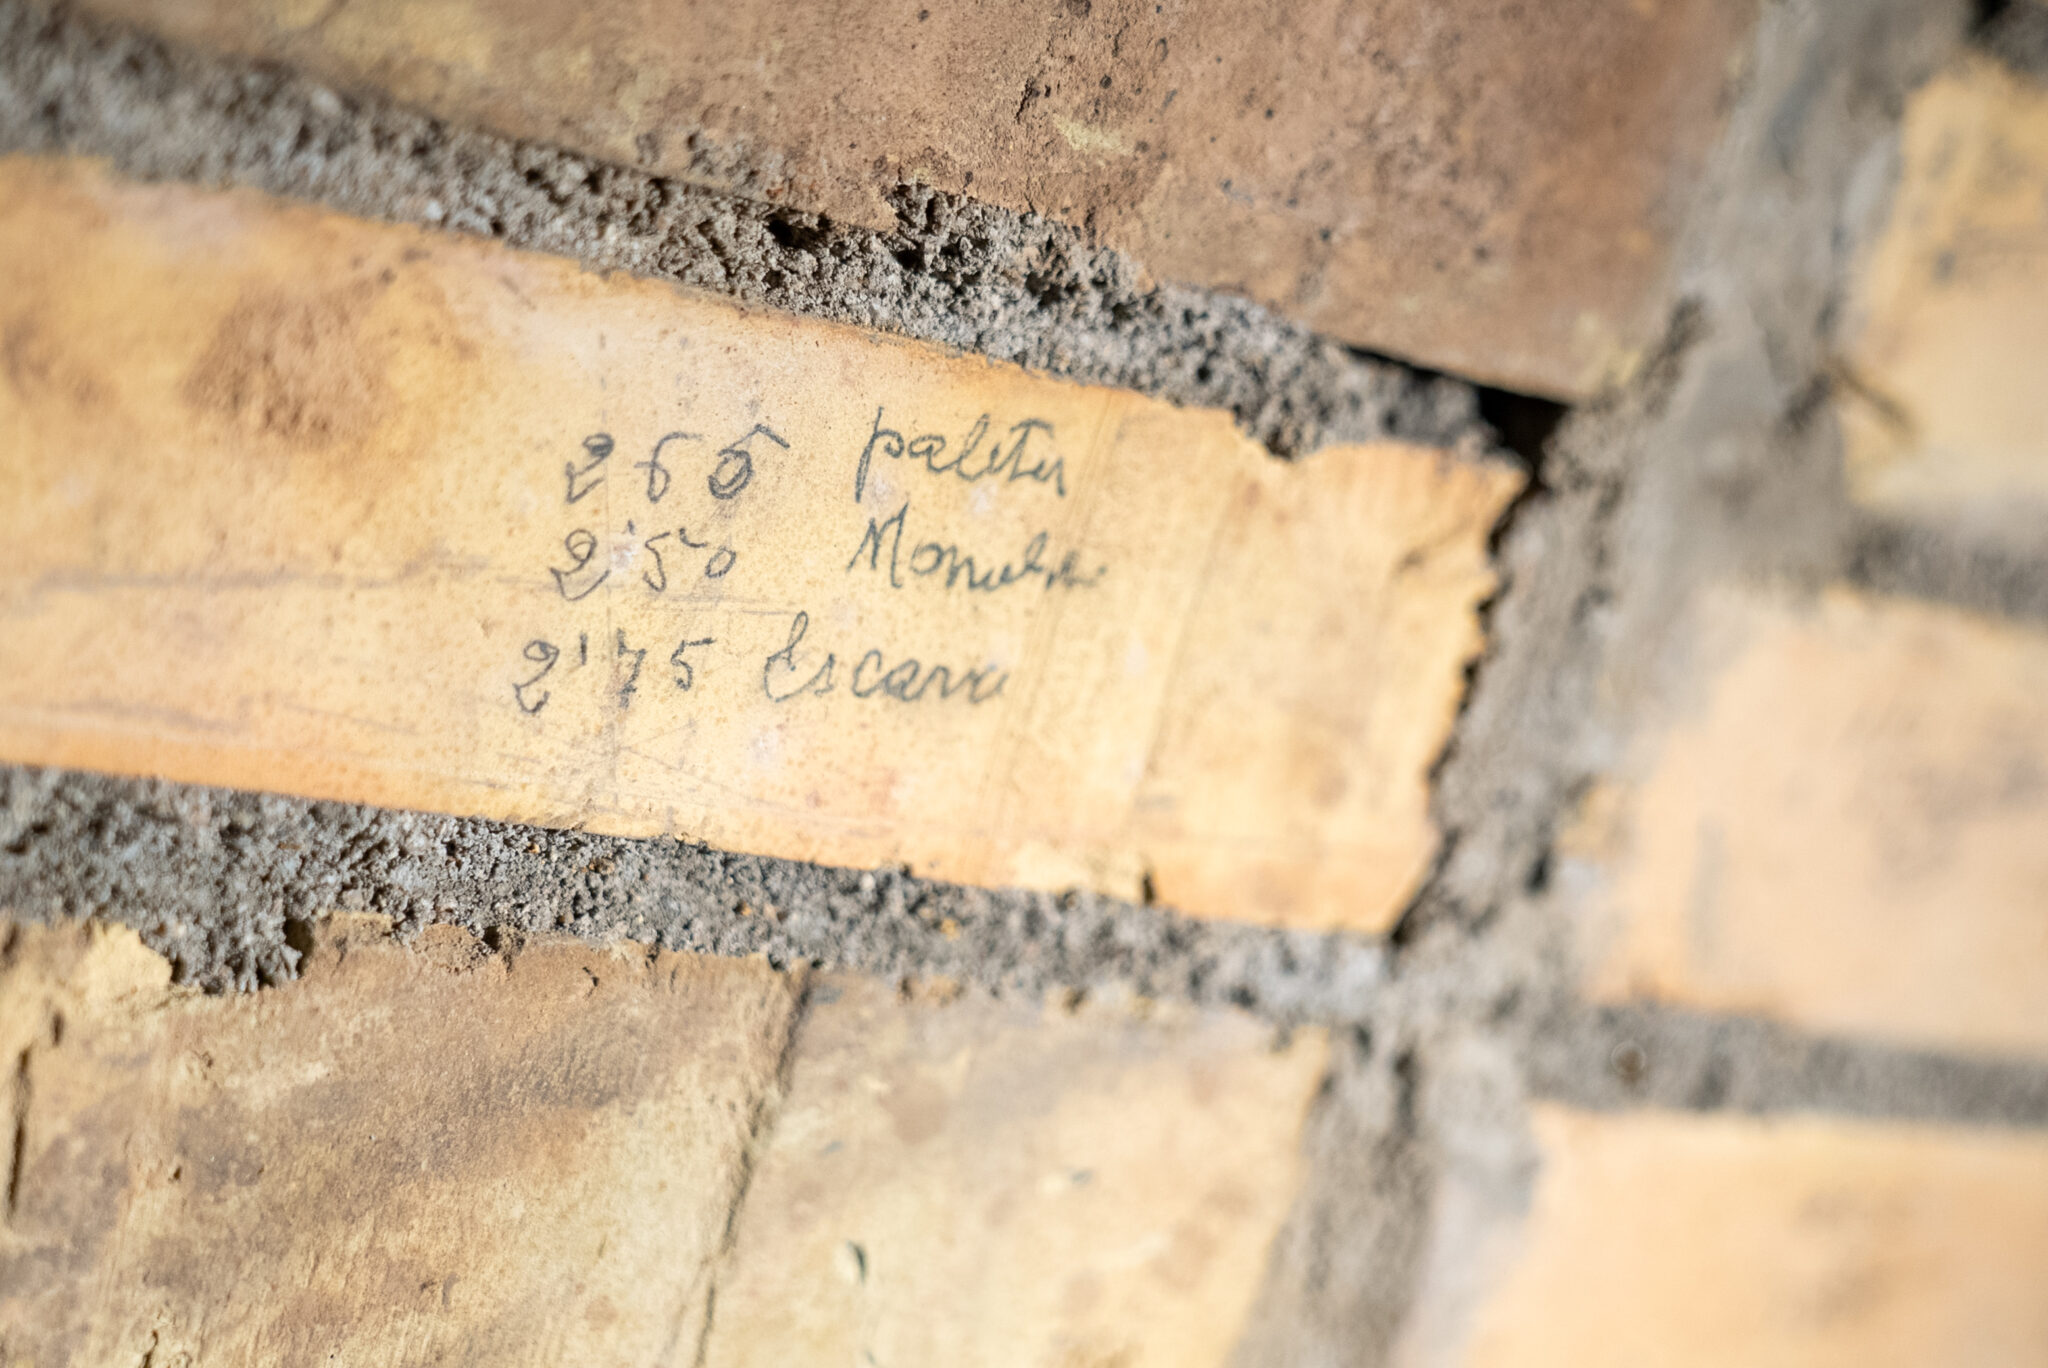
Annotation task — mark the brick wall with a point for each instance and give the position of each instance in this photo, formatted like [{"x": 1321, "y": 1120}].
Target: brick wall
[{"x": 1129, "y": 685}]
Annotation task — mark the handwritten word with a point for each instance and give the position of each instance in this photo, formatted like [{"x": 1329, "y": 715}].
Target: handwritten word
[
  {"x": 932, "y": 559},
  {"x": 908, "y": 681},
  {"x": 968, "y": 461}
]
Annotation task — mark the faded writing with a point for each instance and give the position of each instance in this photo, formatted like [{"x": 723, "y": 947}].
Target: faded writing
[
  {"x": 654, "y": 534},
  {"x": 944, "y": 563},
  {"x": 1007, "y": 458},
  {"x": 788, "y": 674}
]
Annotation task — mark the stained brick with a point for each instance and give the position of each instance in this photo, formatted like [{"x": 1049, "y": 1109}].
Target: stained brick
[
  {"x": 419, "y": 1154},
  {"x": 308, "y": 504},
  {"x": 1493, "y": 191},
  {"x": 974, "y": 1182},
  {"x": 1843, "y": 827},
  {"x": 559, "y": 1153},
  {"x": 1944, "y": 414},
  {"x": 1685, "y": 1239}
]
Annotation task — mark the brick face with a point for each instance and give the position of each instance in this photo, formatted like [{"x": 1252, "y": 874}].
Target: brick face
[
  {"x": 375, "y": 556},
  {"x": 438, "y": 1152},
  {"x": 419, "y": 1153},
  {"x": 1490, "y": 191},
  {"x": 1684, "y": 1239},
  {"x": 1842, "y": 828},
  {"x": 987, "y": 1183},
  {"x": 1944, "y": 415}
]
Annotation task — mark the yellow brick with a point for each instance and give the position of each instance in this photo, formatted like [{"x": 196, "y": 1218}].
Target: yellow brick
[
  {"x": 1946, "y": 414},
  {"x": 407, "y": 1156},
  {"x": 1490, "y": 190},
  {"x": 302, "y": 503},
  {"x": 1846, "y": 827},
  {"x": 1712, "y": 1240},
  {"x": 989, "y": 1184}
]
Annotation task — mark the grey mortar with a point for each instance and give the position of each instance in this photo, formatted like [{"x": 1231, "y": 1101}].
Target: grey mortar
[
  {"x": 1610, "y": 1058},
  {"x": 220, "y": 882},
  {"x": 226, "y": 884},
  {"x": 1720, "y": 462},
  {"x": 1894, "y": 557},
  {"x": 965, "y": 275},
  {"x": 1343, "y": 1269}
]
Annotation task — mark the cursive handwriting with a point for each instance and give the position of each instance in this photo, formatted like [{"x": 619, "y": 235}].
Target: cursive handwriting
[
  {"x": 944, "y": 562},
  {"x": 969, "y": 462},
  {"x": 907, "y": 681}
]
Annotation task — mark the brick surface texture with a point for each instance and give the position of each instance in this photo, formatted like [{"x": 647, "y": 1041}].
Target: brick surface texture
[
  {"x": 1478, "y": 798},
  {"x": 1489, "y": 193}
]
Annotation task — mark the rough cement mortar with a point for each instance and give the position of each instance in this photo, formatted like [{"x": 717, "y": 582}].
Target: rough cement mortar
[
  {"x": 1018, "y": 288},
  {"x": 1343, "y": 1270},
  {"x": 226, "y": 884},
  {"x": 222, "y": 882}
]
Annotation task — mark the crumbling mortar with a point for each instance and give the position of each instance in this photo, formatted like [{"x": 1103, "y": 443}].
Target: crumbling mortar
[
  {"x": 1014, "y": 287},
  {"x": 1343, "y": 1268},
  {"x": 227, "y": 885},
  {"x": 1564, "y": 489},
  {"x": 220, "y": 882}
]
